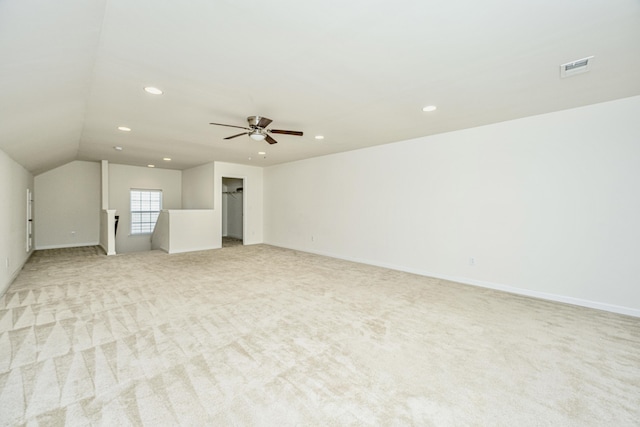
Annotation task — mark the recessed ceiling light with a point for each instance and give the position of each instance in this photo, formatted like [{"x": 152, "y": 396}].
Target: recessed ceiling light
[
  {"x": 124, "y": 129},
  {"x": 166, "y": 159},
  {"x": 429, "y": 108},
  {"x": 261, "y": 153},
  {"x": 153, "y": 90},
  {"x": 151, "y": 166},
  {"x": 319, "y": 137}
]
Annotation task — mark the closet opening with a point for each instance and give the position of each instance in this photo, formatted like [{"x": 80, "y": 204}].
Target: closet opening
[{"x": 232, "y": 212}]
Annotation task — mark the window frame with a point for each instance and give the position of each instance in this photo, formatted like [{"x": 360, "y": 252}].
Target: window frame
[{"x": 142, "y": 227}]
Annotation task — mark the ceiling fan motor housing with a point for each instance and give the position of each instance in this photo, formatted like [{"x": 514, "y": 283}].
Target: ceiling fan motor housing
[{"x": 253, "y": 121}]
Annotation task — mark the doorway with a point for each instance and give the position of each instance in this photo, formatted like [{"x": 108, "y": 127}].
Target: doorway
[
  {"x": 232, "y": 212},
  {"x": 29, "y": 235}
]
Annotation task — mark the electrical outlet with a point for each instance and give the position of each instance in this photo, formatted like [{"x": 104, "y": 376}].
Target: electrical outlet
[
  {"x": 472, "y": 261},
  {"x": 313, "y": 239}
]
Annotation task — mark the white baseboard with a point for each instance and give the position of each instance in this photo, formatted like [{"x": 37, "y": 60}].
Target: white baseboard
[
  {"x": 68, "y": 245},
  {"x": 14, "y": 275},
  {"x": 10, "y": 281},
  {"x": 104, "y": 249},
  {"x": 500, "y": 287},
  {"x": 547, "y": 296}
]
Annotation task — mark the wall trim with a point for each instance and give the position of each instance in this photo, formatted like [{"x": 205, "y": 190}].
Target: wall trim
[
  {"x": 628, "y": 311},
  {"x": 14, "y": 275},
  {"x": 106, "y": 252},
  {"x": 70, "y": 245}
]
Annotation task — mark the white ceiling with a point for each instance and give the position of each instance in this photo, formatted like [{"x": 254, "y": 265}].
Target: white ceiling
[{"x": 357, "y": 72}]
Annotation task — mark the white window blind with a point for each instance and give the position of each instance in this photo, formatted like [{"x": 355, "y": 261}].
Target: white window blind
[{"x": 145, "y": 208}]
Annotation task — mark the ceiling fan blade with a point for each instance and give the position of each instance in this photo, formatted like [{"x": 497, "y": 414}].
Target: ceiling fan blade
[
  {"x": 264, "y": 122},
  {"x": 230, "y": 126},
  {"x": 270, "y": 140},
  {"x": 286, "y": 132},
  {"x": 231, "y": 137}
]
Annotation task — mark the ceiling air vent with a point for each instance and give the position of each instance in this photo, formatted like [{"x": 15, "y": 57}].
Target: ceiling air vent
[{"x": 575, "y": 67}]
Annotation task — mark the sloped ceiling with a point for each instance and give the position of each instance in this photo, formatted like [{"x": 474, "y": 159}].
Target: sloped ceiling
[{"x": 357, "y": 72}]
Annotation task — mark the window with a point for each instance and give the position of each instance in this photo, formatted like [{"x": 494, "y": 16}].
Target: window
[{"x": 145, "y": 208}]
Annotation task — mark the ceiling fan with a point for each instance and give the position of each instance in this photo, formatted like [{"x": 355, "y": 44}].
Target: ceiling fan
[{"x": 257, "y": 131}]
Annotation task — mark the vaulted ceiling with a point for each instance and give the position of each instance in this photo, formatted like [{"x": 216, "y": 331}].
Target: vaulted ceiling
[{"x": 356, "y": 72}]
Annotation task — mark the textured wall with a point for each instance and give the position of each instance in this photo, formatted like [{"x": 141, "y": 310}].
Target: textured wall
[
  {"x": 67, "y": 204},
  {"x": 14, "y": 181},
  {"x": 546, "y": 205},
  {"x": 122, "y": 179}
]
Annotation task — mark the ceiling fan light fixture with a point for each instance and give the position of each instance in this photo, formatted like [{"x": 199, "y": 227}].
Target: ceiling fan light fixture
[{"x": 257, "y": 135}]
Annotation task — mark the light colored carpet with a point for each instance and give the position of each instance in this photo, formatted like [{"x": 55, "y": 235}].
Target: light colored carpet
[
  {"x": 228, "y": 242},
  {"x": 257, "y": 335}
]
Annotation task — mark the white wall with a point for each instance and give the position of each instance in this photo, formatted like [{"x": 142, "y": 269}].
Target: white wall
[
  {"x": 67, "y": 203},
  {"x": 197, "y": 187},
  {"x": 14, "y": 182},
  {"x": 122, "y": 178},
  {"x": 191, "y": 230},
  {"x": 253, "y": 198},
  {"x": 161, "y": 232},
  {"x": 107, "y": 231},
  {"x": 184, "y": 230},
  {"x": 546, "y": 206}
]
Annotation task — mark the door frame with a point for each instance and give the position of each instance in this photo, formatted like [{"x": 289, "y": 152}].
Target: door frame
[
  {"x": 29, "y": 234},
  {"x": 244, "y": 205}
]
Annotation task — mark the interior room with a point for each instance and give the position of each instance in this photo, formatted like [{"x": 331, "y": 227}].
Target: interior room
[
  {"x": 319, "y": 213},
  {"x": 232, "y": 211}
]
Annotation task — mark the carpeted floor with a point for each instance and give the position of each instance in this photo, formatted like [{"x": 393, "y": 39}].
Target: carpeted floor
[
  {"x": 258, "y": 335},
  {"x": 228, "y": 242}
]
